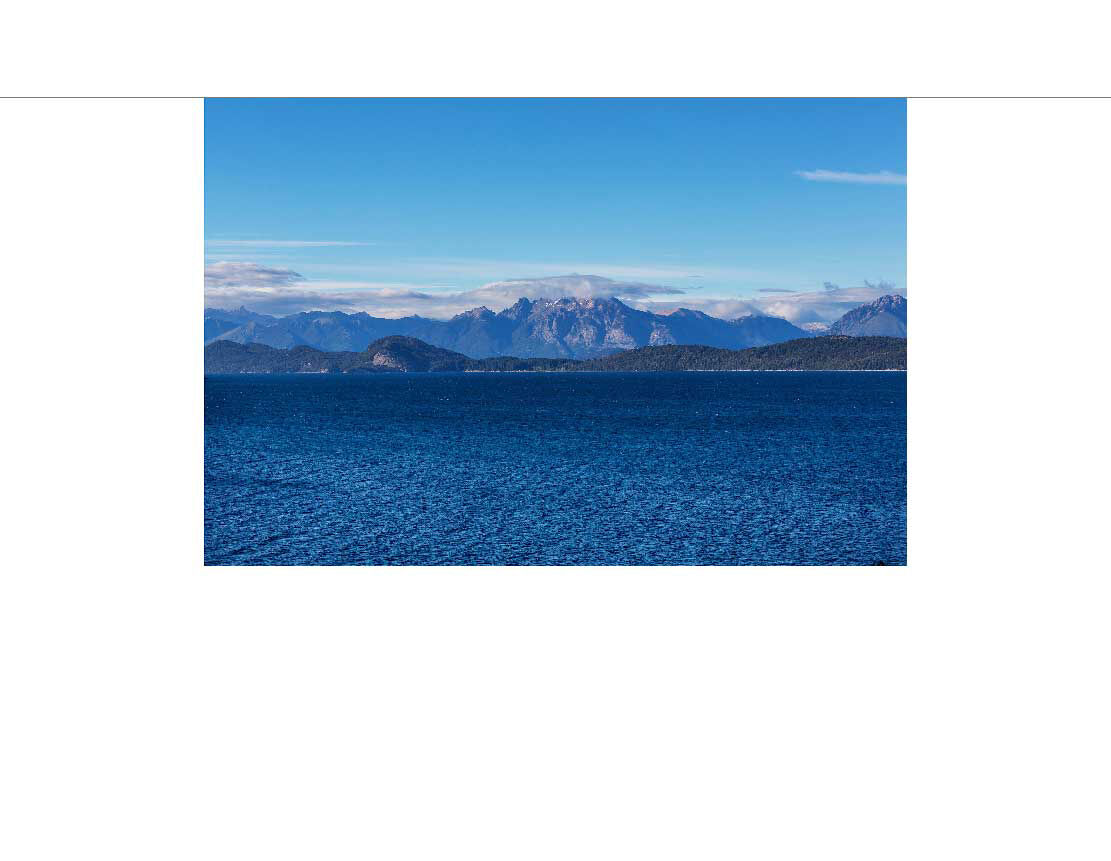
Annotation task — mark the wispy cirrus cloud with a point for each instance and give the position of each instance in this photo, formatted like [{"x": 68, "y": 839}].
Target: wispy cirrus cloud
[
  {"x": 882, "y": 177},
  {"x": 467, "y": 273},
  {"x": 531, "y": 270},
  {"x": 227, "y": 274},
  {"x": 282, "y": 243}
]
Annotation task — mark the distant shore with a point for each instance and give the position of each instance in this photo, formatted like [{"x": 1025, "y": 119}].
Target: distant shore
[
  {"x": 534, "y": 371},
  {"x": 401, "y": 354}
]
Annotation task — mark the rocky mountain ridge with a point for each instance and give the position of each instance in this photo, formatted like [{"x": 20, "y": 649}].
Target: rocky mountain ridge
[{"x": 885, "y": 316}]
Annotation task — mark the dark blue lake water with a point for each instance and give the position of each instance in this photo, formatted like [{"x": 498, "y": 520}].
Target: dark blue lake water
[{"x": 564, "y": 469}]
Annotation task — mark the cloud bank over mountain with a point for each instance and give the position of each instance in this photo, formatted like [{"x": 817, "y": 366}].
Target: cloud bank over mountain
[
  {"x": 821, "y": 306},
  {"x": 279, "y": 291},
  {"x": 273, "y": 290}
]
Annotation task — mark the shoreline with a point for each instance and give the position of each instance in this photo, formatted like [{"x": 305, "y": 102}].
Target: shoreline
[{"x": 683, "y": 371}]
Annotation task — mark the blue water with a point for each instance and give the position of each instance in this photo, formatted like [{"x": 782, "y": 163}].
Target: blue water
[{"x": 564, "y": 469}]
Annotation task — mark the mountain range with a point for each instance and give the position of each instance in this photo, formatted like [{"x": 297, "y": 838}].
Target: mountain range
[
  {"x": 552, "y": 328},
  {"x": 567, "y": 328},
  {"x": 398, "y": 353}
]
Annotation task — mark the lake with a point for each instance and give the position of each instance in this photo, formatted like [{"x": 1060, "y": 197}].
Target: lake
[{"x": 695, "y": 468}]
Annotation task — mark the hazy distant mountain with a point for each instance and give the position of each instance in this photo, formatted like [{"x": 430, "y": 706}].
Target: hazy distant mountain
[
  {"x": 694, "y": 327},
  {"x": 886, "y": 316},
  {"x": 219, "y": 322},
  {"x": 403, "y": 354},
  {"x": 325, "y": 330},
  {"x": 553, "y": 328}
]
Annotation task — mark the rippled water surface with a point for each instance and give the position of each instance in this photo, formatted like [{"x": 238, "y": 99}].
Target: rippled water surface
[{"x": 522, "y": 469}]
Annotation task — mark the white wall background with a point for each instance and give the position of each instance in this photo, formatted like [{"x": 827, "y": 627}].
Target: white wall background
[{"x": 158, "y": 710}]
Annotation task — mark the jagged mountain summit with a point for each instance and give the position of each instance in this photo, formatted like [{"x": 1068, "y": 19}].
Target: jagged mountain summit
[
  {"x": 572, "y": 328},
  {"x": 885, "y": 316}
]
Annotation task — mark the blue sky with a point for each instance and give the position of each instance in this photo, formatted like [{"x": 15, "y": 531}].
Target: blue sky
[{"x": 411, "y": 206}]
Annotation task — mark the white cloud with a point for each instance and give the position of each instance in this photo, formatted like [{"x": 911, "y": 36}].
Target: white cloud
[
  {"x": 579, "y": 286},
  {"x": 883, "y": 177},
  {"x": 723, "y": 309}
]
